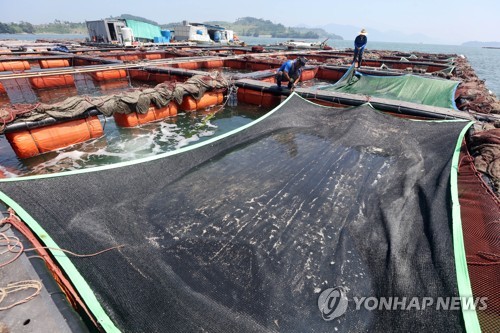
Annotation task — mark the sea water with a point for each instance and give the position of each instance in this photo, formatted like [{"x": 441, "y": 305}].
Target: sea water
[{"x": 126, "y": 144}]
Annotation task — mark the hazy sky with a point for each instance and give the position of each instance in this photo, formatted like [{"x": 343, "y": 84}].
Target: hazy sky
[{"x": 453, "y": 21}]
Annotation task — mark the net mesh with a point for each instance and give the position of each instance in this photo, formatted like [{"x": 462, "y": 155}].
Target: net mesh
[
  {"x": 241, "y": 234},
  {"x": 480, "y": 210}
]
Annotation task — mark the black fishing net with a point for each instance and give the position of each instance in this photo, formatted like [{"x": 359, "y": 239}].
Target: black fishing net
[{"x": 242, "y": 234}]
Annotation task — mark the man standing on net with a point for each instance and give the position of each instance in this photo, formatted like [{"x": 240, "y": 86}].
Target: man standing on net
[{"x": 359, "y": 47}]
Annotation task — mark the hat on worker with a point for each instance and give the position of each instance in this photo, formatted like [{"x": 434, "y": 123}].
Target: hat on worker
[{"x": 301, "y": 60}]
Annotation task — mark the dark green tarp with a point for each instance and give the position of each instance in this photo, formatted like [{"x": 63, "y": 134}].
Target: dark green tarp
[{"x": 409, "y": 88}]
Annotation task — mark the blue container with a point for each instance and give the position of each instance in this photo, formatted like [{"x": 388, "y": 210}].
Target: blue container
[
  {"x": 158, "y": 39},
  {"x": 166, "y": 34},
  {"x": 217, "y": 36}
]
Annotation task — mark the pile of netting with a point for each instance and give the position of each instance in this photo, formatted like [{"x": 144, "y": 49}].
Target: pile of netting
[
  {"x": 136, "y": 100},
  {"x": 485, "y": 148},
  {"x": 473, "y": 94}
]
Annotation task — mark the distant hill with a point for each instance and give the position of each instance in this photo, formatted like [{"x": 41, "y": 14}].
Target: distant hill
[
  {"x": 245, "y": 26},
  {"x": 57, "y": 27},
  {"x": 250, "y": 26},
  {"x": 350, "y": 32},
  {"x": 481, "y": 44}
]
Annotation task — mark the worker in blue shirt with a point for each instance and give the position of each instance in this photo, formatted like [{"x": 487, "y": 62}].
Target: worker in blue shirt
[
  {"x": 359, "y": 47},
  {"x": 290, "y": 71}
]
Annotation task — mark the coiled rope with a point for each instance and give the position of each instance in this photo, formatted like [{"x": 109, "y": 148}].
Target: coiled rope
[
  {"x": 19, "y": 286},
  {"x": 14, "y": 245}
]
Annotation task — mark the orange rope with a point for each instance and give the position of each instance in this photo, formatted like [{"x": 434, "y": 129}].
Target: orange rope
[
  {"x": 58, "y": 275},
  {"x": 76, "y": 254}
]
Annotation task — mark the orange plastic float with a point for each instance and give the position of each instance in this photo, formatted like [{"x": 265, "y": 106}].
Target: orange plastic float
[
  {"x": 52, "y": 81},
  {"x": 329, "y": 74},
  {"x": 153, "y": 56},
  {"x": 154, "y": 114},
  {"x": 112, "y": 74},
  {"x": 130, "y": 57},
  {"x": 213, "y": 63},
  {"x": 36, "y": 141},
  {"x": 308, "y": 74},
  {"x": 20, "y": 65},
  {"x": 54, "y": 63},
  {"x": 235, "y": 64},
  {"x": 188, "y": 65},
  {"x": 257, "y": 97},
  {"x": 209, "y": 99}
]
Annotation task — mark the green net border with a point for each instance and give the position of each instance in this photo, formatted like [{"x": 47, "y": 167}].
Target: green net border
[{"x": 463, "y": 281}]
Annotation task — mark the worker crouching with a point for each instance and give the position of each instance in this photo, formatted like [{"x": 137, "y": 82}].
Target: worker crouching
[{"x": 290, "y": 71}]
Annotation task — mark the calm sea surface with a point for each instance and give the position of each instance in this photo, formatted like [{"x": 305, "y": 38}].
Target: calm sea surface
[{"x": 120, "y": 144}]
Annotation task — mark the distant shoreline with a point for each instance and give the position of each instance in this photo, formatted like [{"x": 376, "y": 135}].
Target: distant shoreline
[
  {"x": 45, "y": 36},
  {"x": 482, "y": 44},
  {"x": 43, "y": 33}
]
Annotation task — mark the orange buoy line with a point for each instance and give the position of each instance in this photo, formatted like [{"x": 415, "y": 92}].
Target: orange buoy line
[
  {"x": 35, "y": 141},
  {"x": 95, "y": 68},
  {"x": 141, "y": 64},
  {"x": 88, "y": 69}
]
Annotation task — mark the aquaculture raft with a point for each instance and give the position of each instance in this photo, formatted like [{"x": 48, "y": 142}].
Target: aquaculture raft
[{"x": 266, "y": 214}]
